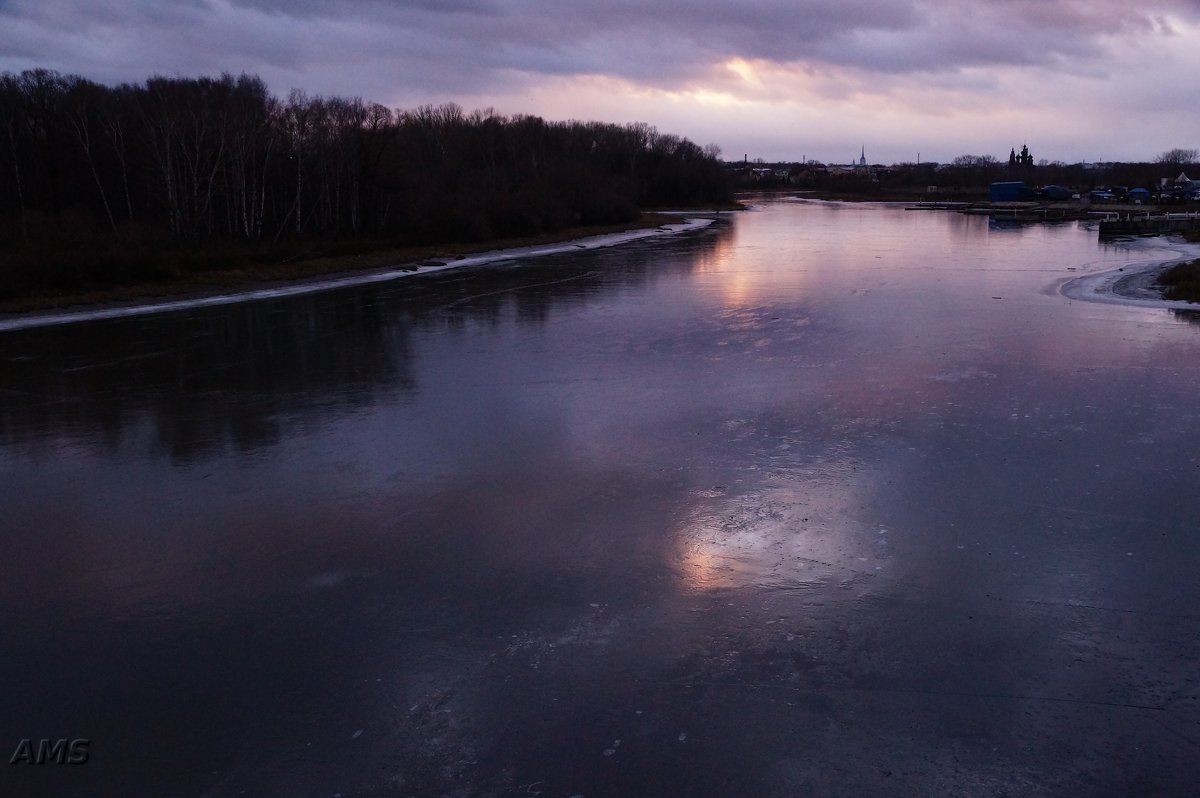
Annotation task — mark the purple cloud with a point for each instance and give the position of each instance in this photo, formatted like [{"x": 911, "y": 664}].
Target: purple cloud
[
  {"x": 480, "y": 43},
  {"x": 418, "y": 51}
]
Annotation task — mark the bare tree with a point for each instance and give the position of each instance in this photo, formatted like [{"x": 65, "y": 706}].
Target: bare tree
[
  {"x": 10, "y": 105},
  {"x": 975, "y": 161},
  {"x": 208, "y": 159},
  {"x": 1177, "y": 157},
  {"x": 82, "y": 105}
]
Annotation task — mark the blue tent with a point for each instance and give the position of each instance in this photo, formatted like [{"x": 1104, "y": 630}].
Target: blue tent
[{"x": 1012, "y": 191}]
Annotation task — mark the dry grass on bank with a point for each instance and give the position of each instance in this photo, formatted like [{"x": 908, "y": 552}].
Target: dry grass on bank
[
  {"x": 109, "y": 275},
  {"x": 1182, "y": 281}
]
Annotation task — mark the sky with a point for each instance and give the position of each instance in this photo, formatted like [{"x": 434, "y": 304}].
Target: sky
[{"x": 1078, "y": 80}]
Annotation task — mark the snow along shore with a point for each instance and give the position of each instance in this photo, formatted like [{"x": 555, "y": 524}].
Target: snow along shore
[
  {"x": 1135, "y": 284},
  {"x": 310, "y": 286}
]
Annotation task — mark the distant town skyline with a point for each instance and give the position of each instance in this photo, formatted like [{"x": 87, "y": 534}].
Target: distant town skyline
[{"x": 1079, "y": 80}]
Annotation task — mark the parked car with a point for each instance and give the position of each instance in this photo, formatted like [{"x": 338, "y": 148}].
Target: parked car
[{"x": 1055, "y": 193}]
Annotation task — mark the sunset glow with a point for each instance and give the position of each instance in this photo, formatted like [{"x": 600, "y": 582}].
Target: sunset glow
[{"x": 1077, "y": 81}]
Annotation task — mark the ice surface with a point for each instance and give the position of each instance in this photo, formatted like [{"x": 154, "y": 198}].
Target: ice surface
[{"x": 843, "y": 520}]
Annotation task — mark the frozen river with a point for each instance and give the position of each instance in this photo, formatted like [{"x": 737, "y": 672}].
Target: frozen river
[{"x": 821, "y": 500}]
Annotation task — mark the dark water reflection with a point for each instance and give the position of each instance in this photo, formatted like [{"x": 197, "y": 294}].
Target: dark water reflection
[
  {"x": 200, "y": 381},
  {"x": 826, "y": 500}
]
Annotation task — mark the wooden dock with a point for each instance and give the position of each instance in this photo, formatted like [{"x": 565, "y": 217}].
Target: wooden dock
[
  {"x": 1112, "y": 221},
  {"x": 1017, "y": 212},
  {"x": 1036, "y": 213},
  {"x": 1149, "y": 224}
]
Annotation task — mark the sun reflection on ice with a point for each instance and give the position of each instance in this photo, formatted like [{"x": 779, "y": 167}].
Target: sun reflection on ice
[{"x": 790, "y": 537}]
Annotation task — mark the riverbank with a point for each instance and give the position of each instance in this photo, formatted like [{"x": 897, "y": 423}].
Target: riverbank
[
  {"x": 306, "y": 263},
  {"x": 1135, "y": 284},
  {"x": 228, "y": 287}
]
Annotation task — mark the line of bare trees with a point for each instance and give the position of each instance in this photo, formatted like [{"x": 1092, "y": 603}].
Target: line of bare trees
[{"x": 198, "y": 160}]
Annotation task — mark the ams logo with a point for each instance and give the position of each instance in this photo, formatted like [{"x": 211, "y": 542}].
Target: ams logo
[{"x": 59, "y": 752}]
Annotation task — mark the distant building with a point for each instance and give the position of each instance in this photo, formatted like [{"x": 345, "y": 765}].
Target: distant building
[
  {"x": 1020, "y": 160},
  {"x": 857, "y": 165}
]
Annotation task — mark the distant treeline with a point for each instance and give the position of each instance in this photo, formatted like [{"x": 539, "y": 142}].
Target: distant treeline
[
  {"x": 967, "y": 175},
  {"x": 203, "y": 162}
]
